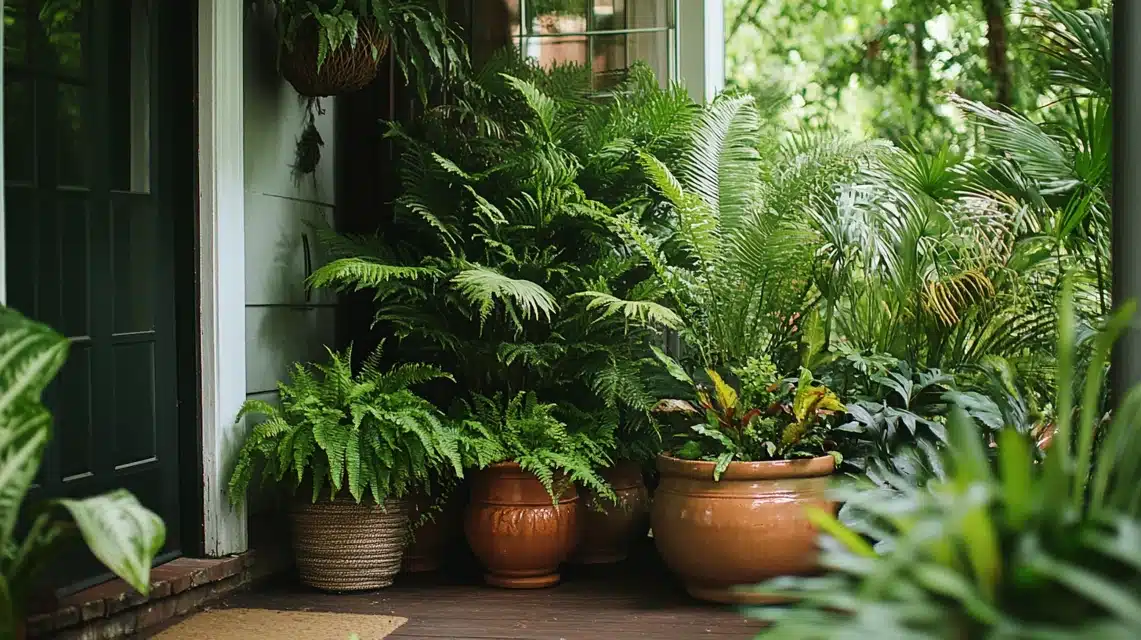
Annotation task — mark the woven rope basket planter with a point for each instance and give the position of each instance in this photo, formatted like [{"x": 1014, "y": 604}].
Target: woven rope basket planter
[
  {"x": 346, "y": 69},
  {"x": 345, "y": 546}
]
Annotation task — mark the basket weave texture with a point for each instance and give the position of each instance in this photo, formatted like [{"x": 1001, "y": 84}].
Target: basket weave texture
[
  {"x": 346, "y": 69},
  {"x": 340, "y": 545}
]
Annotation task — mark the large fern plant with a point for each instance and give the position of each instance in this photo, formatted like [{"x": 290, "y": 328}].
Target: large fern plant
[
  {"x": 120, "y": 532},
  {"x": 502, "y": 222},
  {"x": 366, "y": 433}
]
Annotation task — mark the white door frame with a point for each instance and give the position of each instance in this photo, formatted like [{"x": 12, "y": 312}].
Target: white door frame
[
  {"x": 3, "y": 253},
  {"x": 701, "y": 44},
  {"x": 222, "y": 286}
]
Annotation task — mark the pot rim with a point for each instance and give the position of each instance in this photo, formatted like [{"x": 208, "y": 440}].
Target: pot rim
[{"x": 767, "y": 470}]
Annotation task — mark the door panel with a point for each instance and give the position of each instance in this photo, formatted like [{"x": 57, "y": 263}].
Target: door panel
[{"x": 90, "y": 246}]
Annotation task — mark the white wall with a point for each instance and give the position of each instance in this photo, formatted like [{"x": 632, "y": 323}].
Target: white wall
[{"x": 282, "y": 327}]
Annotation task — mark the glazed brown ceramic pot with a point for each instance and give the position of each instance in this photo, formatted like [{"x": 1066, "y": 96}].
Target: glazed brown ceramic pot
[
  {"x": 749, "y": 526},
  {"x": 432, "y": 535},
  {"x": 515, "y": 531},
  {"x": 605, "y": 528}
]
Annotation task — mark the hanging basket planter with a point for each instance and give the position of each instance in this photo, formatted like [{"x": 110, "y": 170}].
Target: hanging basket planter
[{"x": 346, "y": 69}]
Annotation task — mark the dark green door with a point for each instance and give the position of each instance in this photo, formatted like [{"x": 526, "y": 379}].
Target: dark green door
[{"x": 90, "y": 244}]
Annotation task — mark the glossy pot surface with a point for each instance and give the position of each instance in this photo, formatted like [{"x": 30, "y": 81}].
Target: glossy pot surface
[
  {"x": 748, "y": 526},
  {"x": 516, "y": 531}
]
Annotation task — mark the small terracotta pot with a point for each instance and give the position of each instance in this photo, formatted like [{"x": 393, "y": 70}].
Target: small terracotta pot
[
  {"x": 515, "y": 531},
  {"x": 426, "y": 550},
  {"x": 607, "y": 529},
  {"x": 749, "y": 526}
]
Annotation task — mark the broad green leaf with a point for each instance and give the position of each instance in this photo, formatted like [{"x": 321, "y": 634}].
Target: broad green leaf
[
  {"x": 726, "y": 395},
  {"x": 1016, "y": 466},
  {"x": 829, "y": 525},
  {"x": 672, "y": 366},
  {"x": 122, "y": 533}
]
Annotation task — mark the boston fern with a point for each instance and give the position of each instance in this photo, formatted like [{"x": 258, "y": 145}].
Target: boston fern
[
  {"x": 367, "y": 432},
  {"x": 422, "y": 39},
  {"x": 527, "y": 432}
]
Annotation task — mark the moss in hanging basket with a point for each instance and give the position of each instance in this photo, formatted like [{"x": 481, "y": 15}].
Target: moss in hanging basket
[{"x": 335, "y": 46}]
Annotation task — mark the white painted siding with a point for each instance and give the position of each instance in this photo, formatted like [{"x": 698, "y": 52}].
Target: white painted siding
[{"x": 283, "y": 325}]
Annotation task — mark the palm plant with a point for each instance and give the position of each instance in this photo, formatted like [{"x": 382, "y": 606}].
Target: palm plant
[
  {"x": 961, "y": 258},
  {"x": 367, "y": 433},
  {"x": 120, "y": 532},
  {"x": 736, "y": 269},
  {"x": 1027, "y": 550}
]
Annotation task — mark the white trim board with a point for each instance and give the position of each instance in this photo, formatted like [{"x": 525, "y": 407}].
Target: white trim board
[
  {"x": 3, "y": 223},
  {"x": 701, "y": 43},
  {"x": 222, "y": 287}
]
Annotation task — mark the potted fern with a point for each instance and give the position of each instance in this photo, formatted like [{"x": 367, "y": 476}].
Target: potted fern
[
  {"x": 331, "y": 47},
  {"x": 730, "y": 508},
  {"x": 521, "y": 522},
  {"x": 358, "y": 444}
]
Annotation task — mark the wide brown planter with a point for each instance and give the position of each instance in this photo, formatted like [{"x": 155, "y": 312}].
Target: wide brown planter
[
  {"x": 606, "y": 529},
  {"x": 749, "y": 526},
  {"x": 345, "y": 70},
  {"x": 517, "y": 533},
  {"x": 431, "y": 535},
  {"x": 340, "y": 545}
]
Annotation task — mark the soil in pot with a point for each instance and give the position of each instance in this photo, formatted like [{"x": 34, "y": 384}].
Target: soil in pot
[
  {"x": 340, "y": 545},
  {"x": 345, "y": 70},
  {"x": 432, "y": 535},
  {"x": 749, "y": 526},
  {"x": 515, "y": 531},
  {"x": 606, "y": 529}
]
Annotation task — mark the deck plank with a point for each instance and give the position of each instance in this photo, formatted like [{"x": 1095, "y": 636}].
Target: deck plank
[{"x": 622, "y": 602}]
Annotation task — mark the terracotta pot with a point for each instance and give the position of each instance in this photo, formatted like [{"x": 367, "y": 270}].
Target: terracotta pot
[
  {"x": 515, "y": 531},
  {"x": 426, "y": 550},
  {"x": 607, "y": 529},
  {"x": 749, "y": 526}
]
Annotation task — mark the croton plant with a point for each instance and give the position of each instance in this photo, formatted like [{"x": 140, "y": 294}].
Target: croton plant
[{"x": 756, "y": 417}]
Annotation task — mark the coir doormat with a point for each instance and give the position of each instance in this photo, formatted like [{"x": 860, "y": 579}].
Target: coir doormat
[{"x": 244, "y": 624}]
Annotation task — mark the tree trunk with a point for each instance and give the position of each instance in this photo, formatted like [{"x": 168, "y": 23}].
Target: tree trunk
[
  {"x": 996, "y": 49},
  {"x": 922, "y": 66}
]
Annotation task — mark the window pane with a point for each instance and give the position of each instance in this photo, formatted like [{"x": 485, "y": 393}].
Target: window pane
[
  {"x": 129, "y": 95},
  {"x": 549, "y": 51},
  {"x": 63, "y": 23},
  {"x": 555, "y": 16},
  {"x": 19, "y": 125},
  {"x": 631, "y": 14},
  {"x": 71, "y": 112},
  {"x": 613, "y": 55}
]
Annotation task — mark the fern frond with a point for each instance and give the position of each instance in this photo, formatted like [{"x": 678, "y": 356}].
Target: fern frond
[
  {"x": 360, "y": 273},
  {"x": 483, "y": 287},
  {"x": 645, "y": 312}
]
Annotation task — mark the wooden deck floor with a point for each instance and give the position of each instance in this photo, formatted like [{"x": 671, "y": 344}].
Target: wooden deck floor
[{"x": 637, "y": 599}]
